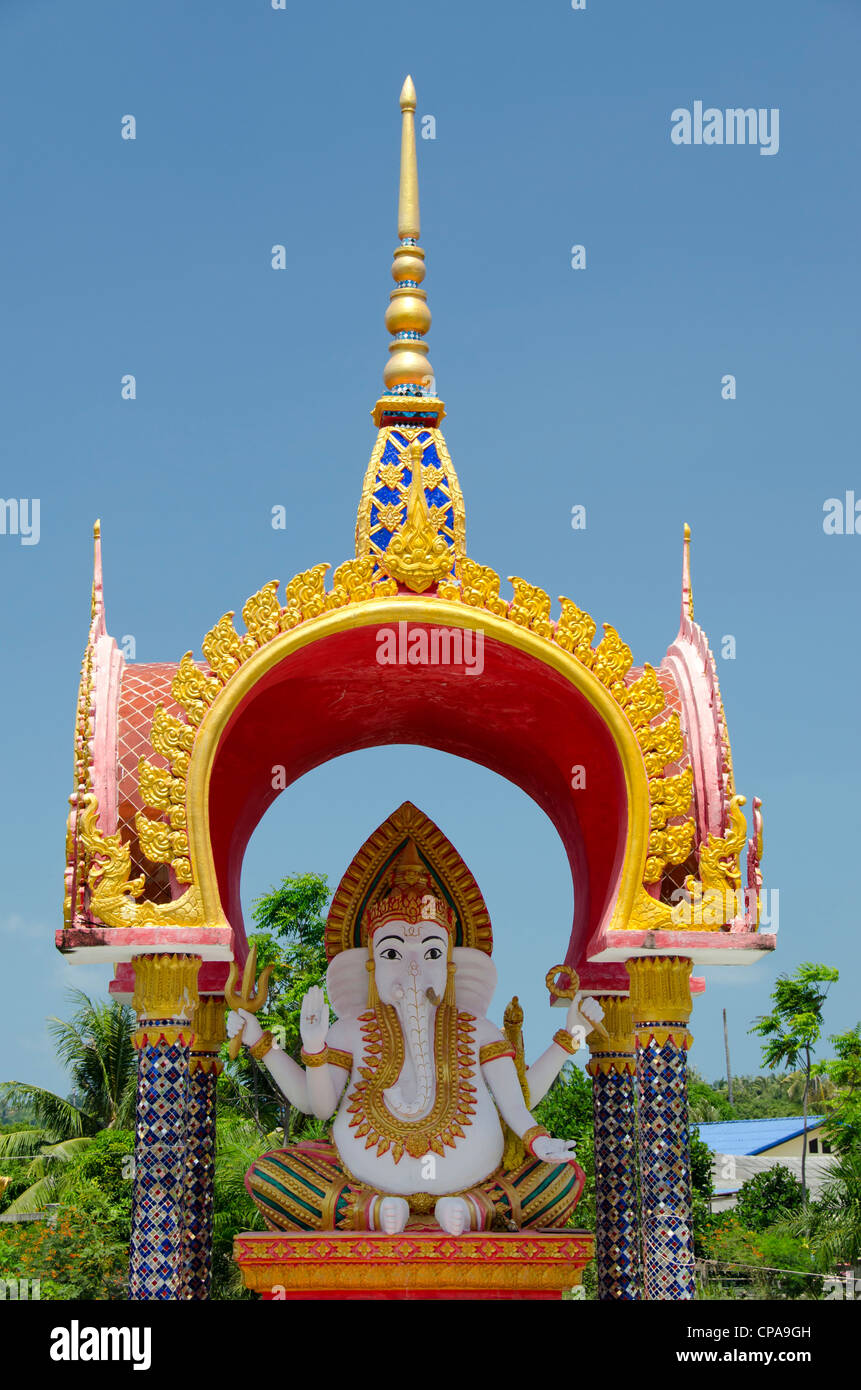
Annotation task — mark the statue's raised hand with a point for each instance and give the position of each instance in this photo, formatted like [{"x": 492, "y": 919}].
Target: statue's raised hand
[
  {"x": 582, "y": 1014},
  {"x": 241, "y": 1021},
  {"x": 314, "y": 1020},
  {"x": 553, "y": 1150}
]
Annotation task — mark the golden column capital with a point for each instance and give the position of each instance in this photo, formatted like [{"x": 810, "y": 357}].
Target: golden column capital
[
  {"x": 165, "y": 986},
  {"x": 210, "y": 1031},
  {"x": 616, "y": 1052},
  {"x": 661, "y": 998}
]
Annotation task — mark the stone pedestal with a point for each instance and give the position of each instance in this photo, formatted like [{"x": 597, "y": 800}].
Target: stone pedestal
[{"x": 420, "y": 1263}]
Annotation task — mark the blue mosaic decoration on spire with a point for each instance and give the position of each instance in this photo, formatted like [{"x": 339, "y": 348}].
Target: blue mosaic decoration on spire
[{"x": 384, "y": 503}]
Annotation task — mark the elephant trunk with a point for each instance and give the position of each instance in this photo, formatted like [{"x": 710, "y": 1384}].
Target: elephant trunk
[{"x": 415, "y": 1089}]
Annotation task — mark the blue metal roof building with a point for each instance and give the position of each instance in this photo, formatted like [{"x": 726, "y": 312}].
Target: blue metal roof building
[{"x": 749, "y": 1137}]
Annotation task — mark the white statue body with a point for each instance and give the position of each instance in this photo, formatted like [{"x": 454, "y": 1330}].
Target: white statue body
[{"x": 432, "y": 1075}]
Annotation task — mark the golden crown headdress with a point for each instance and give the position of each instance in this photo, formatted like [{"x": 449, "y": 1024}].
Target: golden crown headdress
[{"x": 410, "y": 895}]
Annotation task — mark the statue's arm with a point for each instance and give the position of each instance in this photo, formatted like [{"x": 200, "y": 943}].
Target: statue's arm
[
  {"x": 582, "y": 1013},
  {"x": 544, "y": 1071},
  {"x": 496, "y": 1059},
  {"x": 287, "y": 1075},
  {"x": 327, "y": 1078},
  {"x": 502, "y": 1080},
  {"x": 313, "y": 1089},
  {"x": 290, "y": 1079}
]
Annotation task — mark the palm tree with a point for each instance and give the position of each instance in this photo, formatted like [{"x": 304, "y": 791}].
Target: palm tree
[
  {"x": 96, "y": 1047},
  {"x": 794, "y": 1027},
  {"x": 833, "y": 1223},
  {"x": 820, "y": 1089}
]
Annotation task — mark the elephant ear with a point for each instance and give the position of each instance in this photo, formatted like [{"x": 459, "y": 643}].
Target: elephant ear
[
  {"x": 347, "y": 983},
  {"x": 474, "y": 981}
]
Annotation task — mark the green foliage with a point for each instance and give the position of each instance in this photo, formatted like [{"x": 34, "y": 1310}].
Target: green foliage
[
  {"x": 758, "y": 1098},
  {"x": 768, "y": 1197},
  {"x": 702, "y": 1187},
  {"x": 705, "y": 1102},
  {"x": 843, "y": 1128},
  {"x": 13, "y": 1116},
  {"x": 757, "y": 1264},
  {"x": 794, "y": 1026},
  {"x": 107, "y": 1165},
  {"x": 701, "y": 1165},
  {"x": 238, "y": 1144},
  {"x": 566, "y": 1110},
  {"x": 291, "y": 928},
  {"x": 95, "y": 1046},
  {"x": 78, "y": 1257},
  {"x": 832, "y": 1225},
  {"x": 254, "y": 1116},
  {"x": 292, "y": 925}
]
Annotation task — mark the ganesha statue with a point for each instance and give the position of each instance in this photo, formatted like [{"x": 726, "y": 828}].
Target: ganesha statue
[{"x": 429, "y": 1099}]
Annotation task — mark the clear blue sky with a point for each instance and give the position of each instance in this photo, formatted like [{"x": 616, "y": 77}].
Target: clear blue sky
[{"x": 599, "y": 387}]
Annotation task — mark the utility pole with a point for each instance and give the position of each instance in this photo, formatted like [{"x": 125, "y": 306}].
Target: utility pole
[{"x": 728, "y": 1067}]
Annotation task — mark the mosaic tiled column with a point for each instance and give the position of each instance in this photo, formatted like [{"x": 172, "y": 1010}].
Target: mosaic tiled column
[
  {"x": 164, "y": 999},
  {"x": 612, "y": 1067},
  {"x": 661, "y": 998},
  {"x": 204, "y": 1069}
]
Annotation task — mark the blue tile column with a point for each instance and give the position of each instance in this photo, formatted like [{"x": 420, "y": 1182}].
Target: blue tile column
[
  {"x": 661, "y": 998},
  {"x": 204, "y": 1069},
  {"x": 612, "y": 1067},
  {"x": 164, "y": 999}
]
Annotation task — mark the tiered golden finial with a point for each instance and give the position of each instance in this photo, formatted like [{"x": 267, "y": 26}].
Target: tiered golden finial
[{"x": 408, "y": 371}]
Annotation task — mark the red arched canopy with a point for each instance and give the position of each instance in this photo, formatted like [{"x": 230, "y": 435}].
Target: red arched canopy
[{"x": 519, "y": 717}]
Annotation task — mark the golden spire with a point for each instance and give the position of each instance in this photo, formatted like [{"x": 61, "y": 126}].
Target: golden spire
[
  {"x": 687, "y": 589},
  {"x": 409, "y": 224},
  {"x": 97, "y": 599},
  {"x": 408, "y": 371}
]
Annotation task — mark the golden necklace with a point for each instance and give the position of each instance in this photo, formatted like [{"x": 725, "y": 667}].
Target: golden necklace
[{"x": 383, "y": 1060}]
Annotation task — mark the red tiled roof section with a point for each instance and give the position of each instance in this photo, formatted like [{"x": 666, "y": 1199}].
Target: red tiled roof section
[{"x": 143, "y": 687}]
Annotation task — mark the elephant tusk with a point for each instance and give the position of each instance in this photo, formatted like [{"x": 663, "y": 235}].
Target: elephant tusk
[{"x": 432, "y": 995}]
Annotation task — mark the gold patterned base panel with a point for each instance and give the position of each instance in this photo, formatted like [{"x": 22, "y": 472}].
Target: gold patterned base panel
[{"x": 346, "y": 1262}]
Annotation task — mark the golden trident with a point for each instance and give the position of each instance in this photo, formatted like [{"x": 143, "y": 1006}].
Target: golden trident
[
  {"x": 570, "y": 991},
  {"x": 253, "y": 1003}
]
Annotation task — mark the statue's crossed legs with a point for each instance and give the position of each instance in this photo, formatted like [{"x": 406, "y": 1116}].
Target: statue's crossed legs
[{"x": 306, "y": 1188}]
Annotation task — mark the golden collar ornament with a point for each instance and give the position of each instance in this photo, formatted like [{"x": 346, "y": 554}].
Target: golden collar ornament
[{"x": 382, "y": 1063}]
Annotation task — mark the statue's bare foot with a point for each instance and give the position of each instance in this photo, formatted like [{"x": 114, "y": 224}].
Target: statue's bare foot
[
  {"x": 394, "y": 1214},
  {"x": 452, "y": 1213}
]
